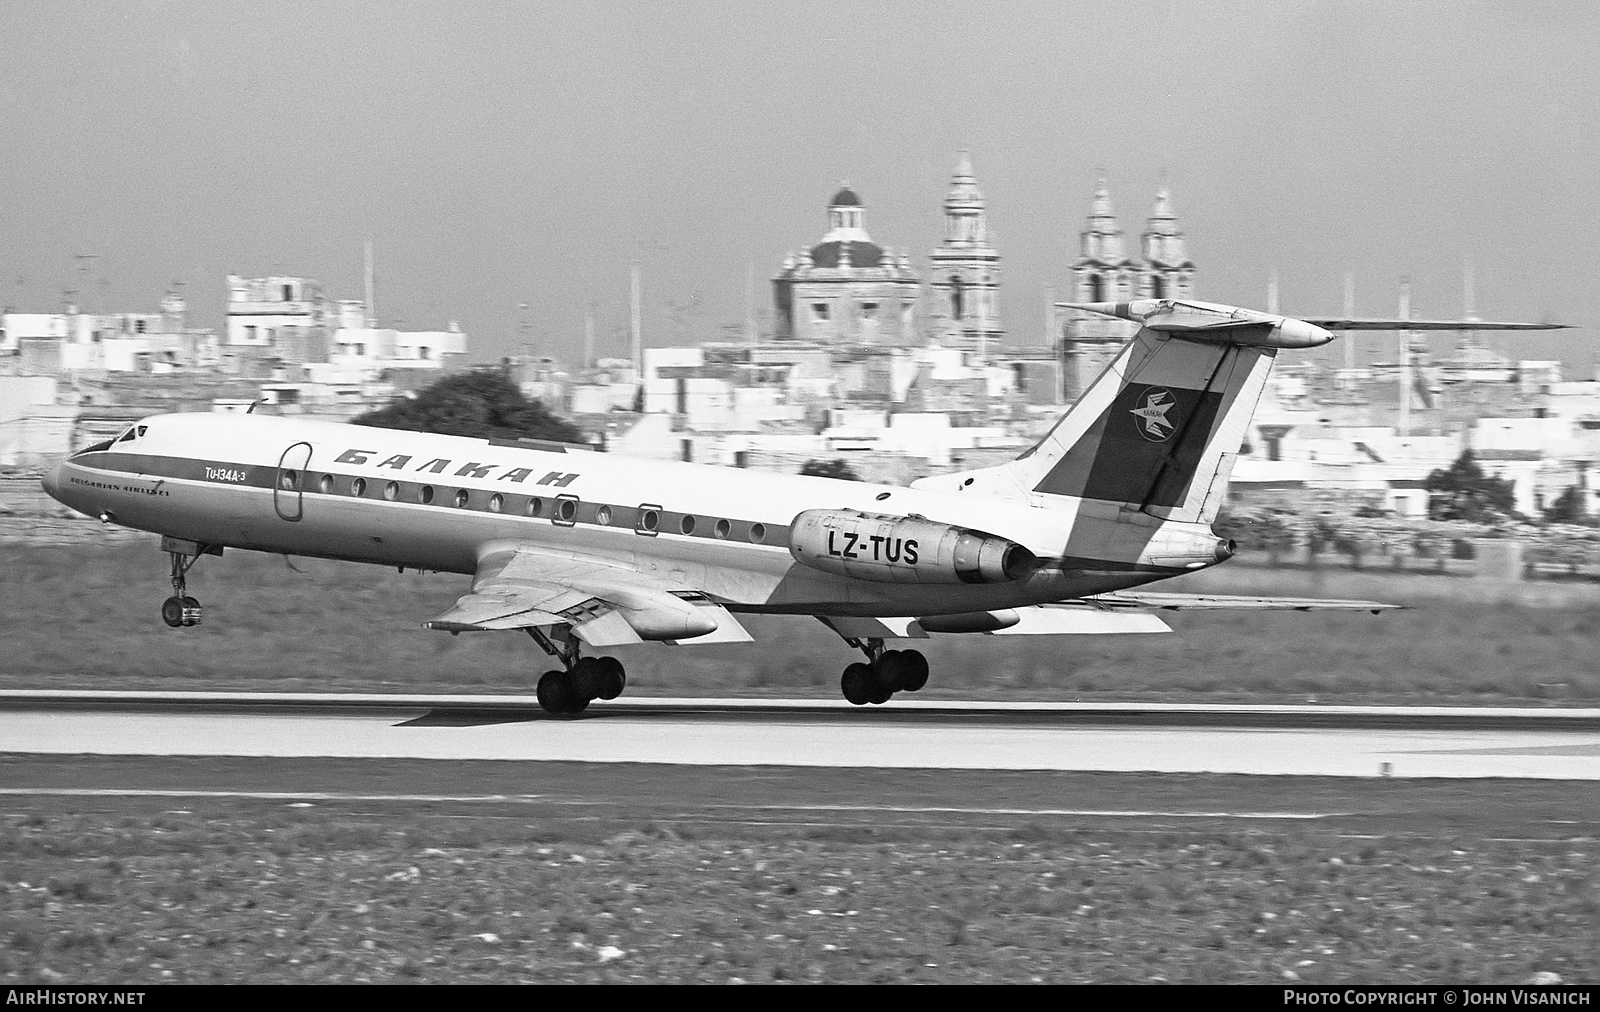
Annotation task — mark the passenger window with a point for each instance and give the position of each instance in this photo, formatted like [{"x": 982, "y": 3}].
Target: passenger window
[
  {"x": 603, "y": 515},
  {"x": 358, "y": 487},
  {"x": 289, "y": 480},
  {"x": 723, "y": 528},
  {"x": 758, "y": 533},
  {"x": 461, "y": 498},
  {"x": 326, "y": 484},
  {"x": 497, "y": 502},
  {"x": 687, "y": 524},
  {"x": 535, "y": 507},
  {"x": 391, "y": 491},
  {"x": 567, "y": 511},
  {"x": 426, "y": 494}
]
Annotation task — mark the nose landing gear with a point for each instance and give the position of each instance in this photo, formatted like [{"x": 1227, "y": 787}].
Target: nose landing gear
[
  {"x": 885, "y": 673},
  {"x": 569, "y": 690},
  {"x": 181, "y": 610}
]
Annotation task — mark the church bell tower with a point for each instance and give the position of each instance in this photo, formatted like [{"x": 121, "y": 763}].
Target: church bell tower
[{"x": 964, "y": 276}]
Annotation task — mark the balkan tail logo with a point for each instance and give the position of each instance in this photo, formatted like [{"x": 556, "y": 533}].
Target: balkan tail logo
[
  {"x": 1152, "y": 415},
  {"x": 1144, "y": 448}
]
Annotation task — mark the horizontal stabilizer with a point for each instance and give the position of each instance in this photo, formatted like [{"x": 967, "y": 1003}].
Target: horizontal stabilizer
[
  {"x": 1228, "y": 602},
  {"x": 1211, "y": 322},
  {"x": 1341, "y": 323}
]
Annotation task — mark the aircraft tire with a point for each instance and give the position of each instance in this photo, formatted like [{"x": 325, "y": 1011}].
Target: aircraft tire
[
  {"x": 913, "y": 670},
  {"x": 885, "y": 676},
  {"x": 555, "y": 693},
  {"x": 191, "y": 611},
  {"x": 612, "y": 678},
  {"x": 587, "y": 678},
  {"x": 899, "y": 670},
  {"x": 172, "y": 611},
  {"x": 858, "y": 684}
]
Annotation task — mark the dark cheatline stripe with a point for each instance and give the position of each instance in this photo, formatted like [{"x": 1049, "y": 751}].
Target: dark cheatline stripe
[
  {"x": 541, "y": 502},
  {"x": 147, "y": 465}
]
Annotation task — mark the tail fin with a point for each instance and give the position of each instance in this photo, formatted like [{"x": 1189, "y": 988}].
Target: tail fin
[{"x": 1159, "y": 430}]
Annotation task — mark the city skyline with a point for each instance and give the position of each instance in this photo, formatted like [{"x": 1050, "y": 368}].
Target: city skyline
[{"x": 501, "y": 155}]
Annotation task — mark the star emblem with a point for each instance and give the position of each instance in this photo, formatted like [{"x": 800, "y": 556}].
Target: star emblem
[{"x": 1151, "y": 415}]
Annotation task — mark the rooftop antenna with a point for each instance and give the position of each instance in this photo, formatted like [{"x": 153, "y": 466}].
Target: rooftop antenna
[
  {"x": 372, "y": 292},
  {"x": 1405, "y": 358},
  {"x": 751, "y": 331},
  {"x": 588, "y": 334},
  {"x": 1470, "y": 339},
  {"x": 1051, "y": 324},
  {"x": 1349, "y": 314},
  {"x": 635, "y": 324},
  {"x": 83, "y": 266}
]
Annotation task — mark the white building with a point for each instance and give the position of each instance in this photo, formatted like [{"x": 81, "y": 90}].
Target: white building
[
  {"x": 264, "y": 311},
  {"x": 153, "y": 342},
  {"x": 34, "y": 429}
]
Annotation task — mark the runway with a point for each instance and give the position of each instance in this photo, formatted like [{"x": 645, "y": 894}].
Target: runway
[{"x": 1544, "y": 744}]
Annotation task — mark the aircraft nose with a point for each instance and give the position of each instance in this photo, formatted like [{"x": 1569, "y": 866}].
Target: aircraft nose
[{"x": 51, "y": 482}]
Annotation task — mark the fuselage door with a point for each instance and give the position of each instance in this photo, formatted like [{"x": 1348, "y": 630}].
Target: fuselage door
[{"x": 288, "y": 490}]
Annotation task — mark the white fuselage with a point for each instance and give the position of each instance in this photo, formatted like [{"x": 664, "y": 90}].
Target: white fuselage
[{"x": 434, "y": 502}]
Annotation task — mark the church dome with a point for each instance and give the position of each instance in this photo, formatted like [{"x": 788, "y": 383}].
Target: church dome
[
  {"x": 846, "y": 197},
  {"x": 861, "y": 254}
]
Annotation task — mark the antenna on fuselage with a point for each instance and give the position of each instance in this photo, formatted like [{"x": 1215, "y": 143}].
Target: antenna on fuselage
[{"x": 252, "y": 408}]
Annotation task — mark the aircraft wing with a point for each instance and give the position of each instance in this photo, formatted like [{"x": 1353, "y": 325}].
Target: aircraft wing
[
  {"x": 1070, "y": 619},
  {"x": 1100, "y": 615},
  {"x": 605, "y": 602},
  {"x": 1146, "y": 601}
]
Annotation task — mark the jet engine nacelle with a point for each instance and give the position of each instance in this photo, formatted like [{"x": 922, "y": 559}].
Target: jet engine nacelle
[{"x": 898, "y": 549}]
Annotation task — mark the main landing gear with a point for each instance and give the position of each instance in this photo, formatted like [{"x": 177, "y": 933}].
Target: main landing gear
[
  {"x": 885, "y": 673},
  {"x": 581, "y": 680},
  {"x": 181, "y": 610}
]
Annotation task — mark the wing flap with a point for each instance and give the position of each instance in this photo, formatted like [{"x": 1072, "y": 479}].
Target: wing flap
[
  {"x": 476, "y": 612},
  {"x": 605, "y": 602},
  {"x": 1073, "y": 620},
  {"x": 1036, "y": 620}
]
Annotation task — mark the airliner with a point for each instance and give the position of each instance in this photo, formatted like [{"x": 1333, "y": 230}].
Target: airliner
[{"x": 585, "y": 550}]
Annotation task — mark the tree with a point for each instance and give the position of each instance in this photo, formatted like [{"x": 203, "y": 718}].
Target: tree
[
  {"x": 1265, "y": 532},
  {"x": 482, "y": 403},
  {"x": 1568, "y": 508},
  {"x": 1463, "y": 492},
  {"x": 835, "y": 468}
]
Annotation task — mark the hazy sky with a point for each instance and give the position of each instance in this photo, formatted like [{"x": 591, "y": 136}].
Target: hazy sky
[{"x": 509, "y": 153}]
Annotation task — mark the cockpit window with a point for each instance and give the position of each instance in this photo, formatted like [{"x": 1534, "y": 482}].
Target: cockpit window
[
  {"x": 128, "y": 435},
  {"x": 104, "y": 444},
  {"x": 141, "y": 430}
]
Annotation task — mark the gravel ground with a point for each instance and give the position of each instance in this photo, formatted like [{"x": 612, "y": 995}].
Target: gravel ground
[{"x": 286, "y": 896}]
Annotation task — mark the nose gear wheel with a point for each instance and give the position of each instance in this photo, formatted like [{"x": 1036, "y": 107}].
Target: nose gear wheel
[{"x": 180, "y": 610}]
